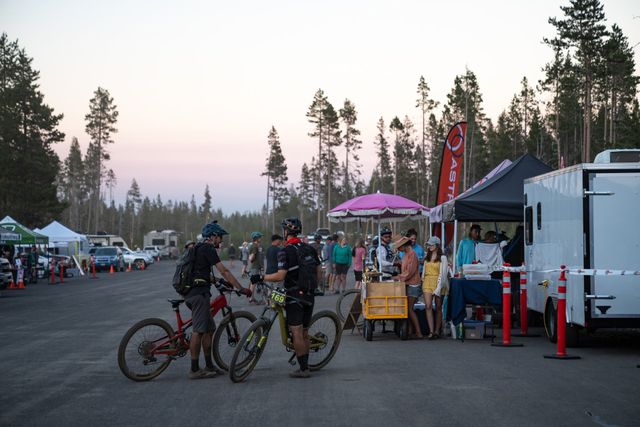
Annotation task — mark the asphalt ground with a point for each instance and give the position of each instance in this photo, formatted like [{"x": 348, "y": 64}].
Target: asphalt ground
[{"x": 58, "y": 367}]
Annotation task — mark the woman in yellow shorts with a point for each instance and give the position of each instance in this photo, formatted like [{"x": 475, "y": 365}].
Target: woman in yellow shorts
[{"x": 435, "y": 282}]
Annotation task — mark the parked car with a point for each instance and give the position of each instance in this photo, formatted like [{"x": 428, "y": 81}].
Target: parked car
[
  {"x": 108, "y": 256},
  {"x": 5, "y": 273},
  {"x": 131, "y": 257},
  {"x": 154, "y": 251}
]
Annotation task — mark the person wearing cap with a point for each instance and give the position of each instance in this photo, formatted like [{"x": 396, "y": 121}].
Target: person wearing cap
[
  {"x": 384, "y": 254},
  {"x": 435, "y": 284},
  {"x": 467, "y": 247},
  {"x": 244, "y": 257},
  {"x": 412, "y": 234},
  {"x": 410, "y": 275},
  {"x": 256, "y": 259}
]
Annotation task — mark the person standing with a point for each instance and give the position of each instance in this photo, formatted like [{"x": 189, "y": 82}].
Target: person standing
[
  {"x": 342, "y": 262},
  {"x": 327, "y": 258},
  {"x": 410, "y": 275},
  {"x": 435, "y": 284},
  {"x": 299, "y": 283},
  {"x": 199, "y": 296},
  {"x": 256, "y": 259},
  {"x": 272, "y": 254},
  {"x": 359, "y": 254},
  {"x": 317, "y": 244},
  {"x": 244, "y": 256},
  {"x": 412, "y": 234},
  {"x": 384, "y": 254},
  {"x": 231, "y": 252},
  {"x": 32, "y": 264},
  {"x": 467, "y": 247}
]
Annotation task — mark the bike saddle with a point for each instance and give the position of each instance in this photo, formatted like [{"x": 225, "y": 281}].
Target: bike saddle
[{"x": 175, "y": 303}]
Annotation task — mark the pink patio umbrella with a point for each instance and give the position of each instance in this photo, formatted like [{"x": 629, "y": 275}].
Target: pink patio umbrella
[{"x": 381, "y": 206}]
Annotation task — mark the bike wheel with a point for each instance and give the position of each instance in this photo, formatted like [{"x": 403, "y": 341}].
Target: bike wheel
[
  {"x": 136, "y": 354},
  {"x": 324, "y": 334},
  {"x": 228, "y": 334},
  {"x": 248, "y": 351},
  {"x": 344, "y": 303}
]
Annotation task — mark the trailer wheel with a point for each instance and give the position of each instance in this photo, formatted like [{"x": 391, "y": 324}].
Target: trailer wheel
[
  {"x": 551, "y": 321},
  {"x": 367, "y": 330},
  {"x": 403, "y": 332}
]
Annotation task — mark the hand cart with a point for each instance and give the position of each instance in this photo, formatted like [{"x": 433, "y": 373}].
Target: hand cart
[{"x": 385, "y": 301}]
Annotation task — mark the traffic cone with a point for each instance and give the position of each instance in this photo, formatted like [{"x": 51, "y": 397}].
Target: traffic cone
[
  {"x": 129, "y": 268},
  {"x": 11, "y": 284},
  {"x": 111, "y": 269}
]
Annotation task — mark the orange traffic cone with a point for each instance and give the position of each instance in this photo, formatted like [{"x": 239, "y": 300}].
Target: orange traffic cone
[
  {"x": 111, "y": 269},
  {"x": 129, "y": 268},
  {"x": 11, "y": 284}
]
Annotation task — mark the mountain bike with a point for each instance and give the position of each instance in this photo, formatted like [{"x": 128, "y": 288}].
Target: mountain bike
[
  {"x": 324, "y": 334},
  {"x": 150, "y": 345}
]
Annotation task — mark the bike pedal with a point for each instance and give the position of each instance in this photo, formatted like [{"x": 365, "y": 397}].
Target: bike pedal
[{"x": 292, "y": 360}]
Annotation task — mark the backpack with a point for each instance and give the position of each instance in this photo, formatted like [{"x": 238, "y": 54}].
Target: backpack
[
  {"x": 307, "y": 267},
  {"x": 183, "y": 277}
]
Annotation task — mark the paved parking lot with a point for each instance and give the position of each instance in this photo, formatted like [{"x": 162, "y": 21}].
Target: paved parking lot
[{"x": 58, "y": 367}]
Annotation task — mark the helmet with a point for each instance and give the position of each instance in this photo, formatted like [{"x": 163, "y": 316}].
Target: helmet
[
  {"x": 213, "y": 229},
  {"x": 256, "y": 235},
  {"x": 385, "y": 230},
  {"x": 317, "y": 237},
  {"x": 292, "y": 225}
]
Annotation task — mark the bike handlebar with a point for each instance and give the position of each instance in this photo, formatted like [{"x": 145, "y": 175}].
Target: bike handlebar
[{"x": 224, "y": 286}]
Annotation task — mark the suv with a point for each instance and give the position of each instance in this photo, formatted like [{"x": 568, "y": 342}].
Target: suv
[
  {"x": 133, "y": 258},
  {"x": 154, "y": 251},
  {"x": 107, "y": 257}
]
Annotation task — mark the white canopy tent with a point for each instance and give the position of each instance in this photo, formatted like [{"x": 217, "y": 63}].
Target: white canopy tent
[{"x": 62, "y": 237}]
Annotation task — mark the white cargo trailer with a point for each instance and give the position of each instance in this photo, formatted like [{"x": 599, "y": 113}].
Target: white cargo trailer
[{"x": 585, "y": 217}]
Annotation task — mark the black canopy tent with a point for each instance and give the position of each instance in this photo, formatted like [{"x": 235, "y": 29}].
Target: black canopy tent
[{"x": 499, "y": 199}]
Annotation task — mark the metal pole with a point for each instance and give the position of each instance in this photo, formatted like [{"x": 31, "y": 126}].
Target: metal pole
[{"x": 455, "y": 239}]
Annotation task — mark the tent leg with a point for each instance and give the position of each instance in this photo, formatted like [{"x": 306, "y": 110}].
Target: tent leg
[{"x": 455, "y": 239}]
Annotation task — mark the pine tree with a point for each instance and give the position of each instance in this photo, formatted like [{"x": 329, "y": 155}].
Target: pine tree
[
  {"x": 205, "y": 208},
  {"x": 316, "y": 116},
  {"x": 28, "y": 129},
  {"x": 397, "y": 128},
  {"x": 134, "y": 198},
  {"x": 382, "y": 178},
  {"x": 581, "y": 34},
  {"x": 101, "y": 120},
  {"x": 426, "y": 105},
  {"x": 352, "y": 145},
  {"x": 305, "y": 192},
  {"x": 73, "y": 184},
  {"x": 276, "y": 173}
]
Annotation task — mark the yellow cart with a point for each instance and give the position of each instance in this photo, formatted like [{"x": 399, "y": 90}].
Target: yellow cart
[{"x": 385, "y": 301}]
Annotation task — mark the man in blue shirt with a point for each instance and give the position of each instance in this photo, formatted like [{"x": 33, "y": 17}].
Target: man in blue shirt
[{"x": 467, "y": 247}]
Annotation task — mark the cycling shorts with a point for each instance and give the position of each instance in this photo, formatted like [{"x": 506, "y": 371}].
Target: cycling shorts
[{"x": 300, "y": 314}]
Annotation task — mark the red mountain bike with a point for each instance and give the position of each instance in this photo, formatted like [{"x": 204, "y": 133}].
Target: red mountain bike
[{"x": 151, "y": 344}]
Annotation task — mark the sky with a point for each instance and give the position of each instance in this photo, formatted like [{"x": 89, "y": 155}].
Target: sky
[{"x": 198, "y": 85}]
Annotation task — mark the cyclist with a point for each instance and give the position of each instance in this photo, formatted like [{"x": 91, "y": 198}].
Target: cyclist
[
  {"x": 298, "y": 314},
  {"x": 256, "y": 259},
  {"x": 198, "y": 298}
]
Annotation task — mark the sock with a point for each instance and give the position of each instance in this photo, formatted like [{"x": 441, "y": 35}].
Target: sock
[
  {"x": 306, "y": 360},
  {"x": 208, "y": 361},
  {"x": 302, "y": 362},
  {"x": 195, "y": 366}
]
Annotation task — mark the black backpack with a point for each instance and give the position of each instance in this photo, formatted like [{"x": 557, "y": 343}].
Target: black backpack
[
  {"x": 183, "y": 277},
  {"x": 307, "y": 267}
]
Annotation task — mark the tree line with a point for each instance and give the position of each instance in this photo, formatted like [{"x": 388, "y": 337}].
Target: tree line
[{"x": 586, "y": 102}]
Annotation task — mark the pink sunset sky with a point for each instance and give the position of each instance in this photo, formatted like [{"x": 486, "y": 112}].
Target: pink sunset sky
[{"x": 199, "y": 84}]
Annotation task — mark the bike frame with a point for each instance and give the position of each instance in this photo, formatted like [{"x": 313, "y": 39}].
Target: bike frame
[{"x": 220, "y": 303}]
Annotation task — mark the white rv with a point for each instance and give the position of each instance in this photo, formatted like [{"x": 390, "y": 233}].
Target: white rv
[
  {"x": 161, "y": 238},
  {"x": 585, "y": 217}
]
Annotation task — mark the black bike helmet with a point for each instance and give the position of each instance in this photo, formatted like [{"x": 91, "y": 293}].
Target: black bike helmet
[
  {"x": 292, "y": 225},
  {"x": 385, "y": 230}
]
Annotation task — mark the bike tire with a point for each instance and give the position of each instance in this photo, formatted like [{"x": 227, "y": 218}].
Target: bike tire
[
  {"x": 252, "y": 342},
  {"x": 343, "y": 305},
  {"x": 227, "y": 336},
  {"x": 165, "y": 331},
  {"x": 325, "y": 325}
]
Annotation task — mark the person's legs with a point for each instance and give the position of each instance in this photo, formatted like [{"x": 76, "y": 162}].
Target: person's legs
[
  {"x": 203, "y": 327},
  {"x": 428, "y": 302},
  {"x": 194, "y": 348},
  {"x": 438, "y": 322},
  {"x": 413, "y": 318}
]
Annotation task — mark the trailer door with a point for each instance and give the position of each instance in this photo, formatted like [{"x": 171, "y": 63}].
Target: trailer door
[{"x": 615, "y": 242}]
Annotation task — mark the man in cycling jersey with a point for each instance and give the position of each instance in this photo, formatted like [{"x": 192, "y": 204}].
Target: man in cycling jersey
[
  {"x": 198, "y": 298},
  {"x": 298, "y": 314}
]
